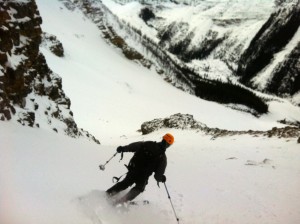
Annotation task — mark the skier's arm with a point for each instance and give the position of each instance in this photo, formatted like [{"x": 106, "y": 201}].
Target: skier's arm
[
  {"x": 159, "y": 172},
  {"x": 133, "y": 147}
]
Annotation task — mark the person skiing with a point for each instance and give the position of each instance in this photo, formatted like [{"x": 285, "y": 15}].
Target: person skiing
[{"x": 148, "y": 157}]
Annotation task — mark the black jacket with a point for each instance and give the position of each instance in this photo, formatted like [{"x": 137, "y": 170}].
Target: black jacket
[{"x": 148, "y": 157}]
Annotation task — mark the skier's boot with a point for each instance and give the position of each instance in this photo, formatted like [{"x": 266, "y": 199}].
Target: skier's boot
[{"x": 129, "y": 196}]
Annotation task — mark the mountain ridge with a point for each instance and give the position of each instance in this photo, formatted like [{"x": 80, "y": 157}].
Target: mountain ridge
[{"x": 218, "y": 37}]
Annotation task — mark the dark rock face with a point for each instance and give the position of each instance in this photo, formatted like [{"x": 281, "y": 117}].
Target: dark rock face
[
  {"x": 30, "y": 92},
  {"x": 146, "y": 14},
  {"x": 19, "y": 46},
  {"x": 286, "y": 76},
  {"x": 272, "y": 37}
]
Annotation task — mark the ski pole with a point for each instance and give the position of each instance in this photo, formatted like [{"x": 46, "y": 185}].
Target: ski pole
[
  {"x": 171, "y": 203},
  {"x": 102, "y": 167}
]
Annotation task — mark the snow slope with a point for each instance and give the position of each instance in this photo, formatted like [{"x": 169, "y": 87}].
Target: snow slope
[
  {"x": 111, "y": 95},
  {"x": 47, "y": 178}
]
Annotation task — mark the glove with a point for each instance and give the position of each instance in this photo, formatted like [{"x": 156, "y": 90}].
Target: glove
[
  {"x": 161, "y": 179},
  {"x": 120, "y": 149}
]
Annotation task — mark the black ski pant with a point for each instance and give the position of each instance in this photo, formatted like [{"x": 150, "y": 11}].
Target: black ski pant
[{"x": 140, "y": 181}]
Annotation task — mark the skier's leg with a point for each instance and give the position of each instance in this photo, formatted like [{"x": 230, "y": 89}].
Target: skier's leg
[
  {"x": 133, "y": 193},
  {"x": 120, "y": 186}
]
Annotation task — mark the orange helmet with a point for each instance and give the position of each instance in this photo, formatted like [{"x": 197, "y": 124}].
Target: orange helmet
[{"x": 169, "y": 138}]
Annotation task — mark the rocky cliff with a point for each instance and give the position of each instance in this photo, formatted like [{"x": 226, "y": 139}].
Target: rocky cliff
[
  {"x": 30, "y": 93},
  {"x": 275, "y": 35},
  {"x": 286, "y": 76}
]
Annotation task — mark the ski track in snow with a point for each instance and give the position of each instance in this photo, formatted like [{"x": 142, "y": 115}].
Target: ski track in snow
[{"x": 99, "y": 210}]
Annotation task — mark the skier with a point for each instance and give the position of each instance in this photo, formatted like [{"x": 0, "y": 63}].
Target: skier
[{"x": 148, "y": 157}]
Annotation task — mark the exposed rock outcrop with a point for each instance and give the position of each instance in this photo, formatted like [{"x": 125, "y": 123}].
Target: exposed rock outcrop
[
  {"x": 187, "y": 122},
  {"x": 178, "y": 121}
]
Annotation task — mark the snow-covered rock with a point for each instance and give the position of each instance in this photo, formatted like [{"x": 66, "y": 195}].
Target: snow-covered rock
[
  {"x": 178, "y": 121},
  {"x": 187, "y": 122},
  {"x": 53, "y": 44}
]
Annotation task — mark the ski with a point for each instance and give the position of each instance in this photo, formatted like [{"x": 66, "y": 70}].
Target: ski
[{"x": 143, "y": 202}]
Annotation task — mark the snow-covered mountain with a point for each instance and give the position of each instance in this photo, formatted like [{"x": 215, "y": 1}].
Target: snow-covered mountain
[
  {"x": 197, "y": 46},
  {"x": 255, "y": 42},
  {"x": 226, "y": 166}
]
